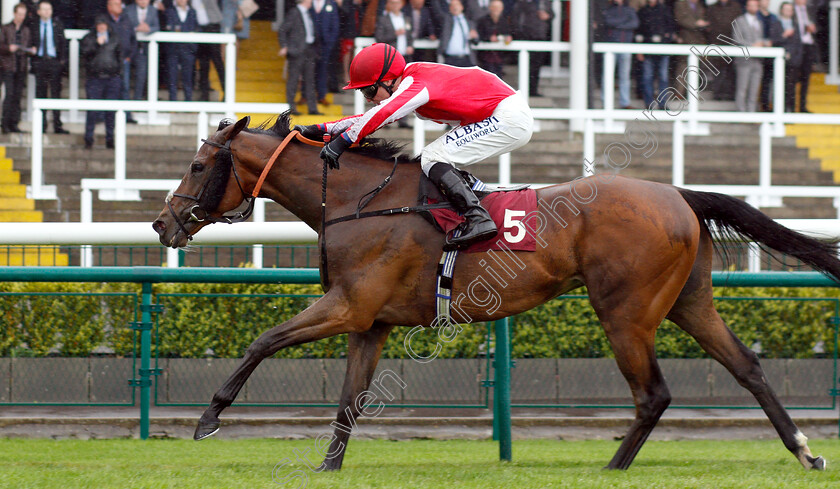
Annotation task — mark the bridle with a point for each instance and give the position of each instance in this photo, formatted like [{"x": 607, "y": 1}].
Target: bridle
[{"x": 203, "y": 214}]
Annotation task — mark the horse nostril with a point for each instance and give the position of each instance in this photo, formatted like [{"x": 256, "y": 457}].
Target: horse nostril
[{"x": 159, "y": 227}]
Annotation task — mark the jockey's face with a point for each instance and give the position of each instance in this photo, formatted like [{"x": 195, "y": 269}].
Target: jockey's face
[{"x": 380, "y": 94}]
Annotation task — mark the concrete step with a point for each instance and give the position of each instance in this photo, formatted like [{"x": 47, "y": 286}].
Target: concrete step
[
  {"x": 46, "y": 256},
  {"x": 13, "y": 204},
  {"x": 9, "y": 191},
  {"x": 21, "y": 216}
]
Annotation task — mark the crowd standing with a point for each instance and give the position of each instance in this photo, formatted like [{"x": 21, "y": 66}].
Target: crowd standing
[{"x": 317, "y": 38}]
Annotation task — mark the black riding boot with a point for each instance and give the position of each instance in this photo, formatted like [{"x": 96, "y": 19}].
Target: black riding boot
[{"x": 479, "y": 225}]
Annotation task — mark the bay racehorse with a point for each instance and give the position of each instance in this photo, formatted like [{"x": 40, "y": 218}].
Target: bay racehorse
[{"x": 642, "y": 249}]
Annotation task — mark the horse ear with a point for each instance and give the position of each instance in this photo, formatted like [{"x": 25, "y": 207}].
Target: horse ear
[{"x": 239, "y": 126}]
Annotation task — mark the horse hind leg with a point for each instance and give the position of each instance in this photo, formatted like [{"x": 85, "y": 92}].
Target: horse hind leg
[
  {"x": 636, "y": 359},
  {"x": 696, "y": 315}
]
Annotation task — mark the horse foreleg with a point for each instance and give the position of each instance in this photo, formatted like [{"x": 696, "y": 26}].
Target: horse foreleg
[
  {"x": 329, "y": 316},
  {"x": 363, "y": 351}
]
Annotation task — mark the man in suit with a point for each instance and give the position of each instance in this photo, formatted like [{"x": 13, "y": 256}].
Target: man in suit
[
  {"x": 15, "y": 44},
  {"x": 209, "y": 20},
  {"x": 531, "y": 21},
  {"x": 299, "y": 45},
  {"x": 423, "y": 25},
  {"x": 457, "y": 35},
  {"x": 791, "y": 40},
  {"x": 49, "y": 59},
  {"x": 748, "y": 31},
  {"x": 803, "y": 18},
  {"x": 144, "y": 19},
  {"x": 394, "y": 27},
  {"x": 690, "y": 16},
  {"x": 180, "y": 57},
  {"x": 327, "y": 22},
  {"x": 128, "y": 46}
]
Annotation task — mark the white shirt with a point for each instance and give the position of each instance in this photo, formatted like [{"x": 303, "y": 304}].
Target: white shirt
[
  {"x": 802, "y": 16},
  {"x": 307, "y": 24},
  {"x": 458, "y": 43},
  {"x": 182, "y": 14},
  {"x": 398, "y": 21},
  {"x": 141, "y": 14}
]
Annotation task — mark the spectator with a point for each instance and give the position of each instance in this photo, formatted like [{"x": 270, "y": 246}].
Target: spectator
[
  {"x": 747, "y": 31},
  {"x": 351, "y": 14},
  {"x": 494, "y": 27},
  {"x": 180, "y": 57},
  {"x": 531, "y": 21},
  {"x": 656, "y": 25},
  {"x": 326, "y": 17},
  {"x": 802, "y": 17},
  {"x": 49, "y": 59},
  {"x": 772, "y": 29},
  {"x": 440, "y": 9},
  {"x": 144, "y": 20},
  {"x": 15, "y": 44},
  {"x": 128, "y": 42},
  {"x": 792, "y": 42},
  {"x": 721, "y": 16},
  {"x": 65, "y": 11},
  {"x": 394, "y": 28},
  {"x": 102, "y": 51},
  {"x": 621, "y": 20},
  {"x": 424, "y": 26},
  {"x": 690, "y": 16},
  {"x": 480, "y": 10},
  {"x": 89, "y": 10},
  {"x": 209, "y": 19},
  {"x": 299, "y": 44},
  {"x": 457, "y": 35}
]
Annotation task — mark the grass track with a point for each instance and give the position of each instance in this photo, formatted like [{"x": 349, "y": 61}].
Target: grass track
[{"x": 228, "y": 464}]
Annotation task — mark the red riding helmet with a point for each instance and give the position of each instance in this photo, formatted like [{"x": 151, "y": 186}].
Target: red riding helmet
[{"x": 375, "y": 63}]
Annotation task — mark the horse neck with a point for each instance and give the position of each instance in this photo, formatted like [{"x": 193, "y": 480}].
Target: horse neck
[{"x": 295, "y": 181}]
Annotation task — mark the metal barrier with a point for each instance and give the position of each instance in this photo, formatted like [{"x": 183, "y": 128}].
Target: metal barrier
[{"x": 147, "y": 276}]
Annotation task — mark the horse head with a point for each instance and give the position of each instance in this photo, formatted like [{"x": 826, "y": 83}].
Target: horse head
[{"x": 207, "y": 190}]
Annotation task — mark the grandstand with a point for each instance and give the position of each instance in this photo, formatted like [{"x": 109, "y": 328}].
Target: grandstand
[{"x": 729, "y": 154}]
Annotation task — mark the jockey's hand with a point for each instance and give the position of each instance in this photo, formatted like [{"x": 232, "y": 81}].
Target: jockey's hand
[
  {"x": 313, "y": 132},
  {"x": 333, "y": 150}
]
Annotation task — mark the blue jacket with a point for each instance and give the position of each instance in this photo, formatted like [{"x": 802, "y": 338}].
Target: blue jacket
[
  {"x": 173, "y": 23},
  {"x": 327, "y": 24},
  {"x": 621, "y": 21}
]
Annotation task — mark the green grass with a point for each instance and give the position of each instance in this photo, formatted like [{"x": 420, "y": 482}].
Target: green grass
[{"x": 158, "y": 464}]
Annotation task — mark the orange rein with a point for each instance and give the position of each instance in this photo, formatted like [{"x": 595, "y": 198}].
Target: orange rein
[{"x": 294, "y": 134}]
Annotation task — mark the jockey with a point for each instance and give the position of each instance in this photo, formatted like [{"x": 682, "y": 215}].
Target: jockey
[{"x": 488, "y": 116}]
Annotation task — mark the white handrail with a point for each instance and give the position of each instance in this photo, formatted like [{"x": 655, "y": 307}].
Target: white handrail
[
  {"x": 37, "y": 189},
  {"x": 229, "y": 40}
]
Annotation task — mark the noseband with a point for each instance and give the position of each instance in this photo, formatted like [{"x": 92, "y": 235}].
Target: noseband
[{"x": 204, "y": 215}]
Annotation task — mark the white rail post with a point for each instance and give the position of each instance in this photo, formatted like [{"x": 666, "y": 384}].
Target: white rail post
[
  {"x": 419, "y": 134},
  {"x": 608, "y": 89},
  {"x": 678, "y": 154},
  {"x": 833, "y": 39},
  {"x": 172, "y": 257},
  {"x": 556, "y": 33},
  {"x": 152, "y": 82},
  {"x": 86, "y": 215},
  {"x": 504, "y": 169},
  {"x": 692, "y": 92},
  {"x": 754, "y": 253},
  {"x": 230, "y": 77},
  {"x": 259, "y": 216},
  {"x": 588, "y": 147},
  {"x": 765, "y": 170},
  {"x": 524, "y": 73},
  {"x": 74, "y": 78},
  {"x": 779, "y": 92},
  {"x": 202, "y": 132},
  {"x": 37, "y": 189}
]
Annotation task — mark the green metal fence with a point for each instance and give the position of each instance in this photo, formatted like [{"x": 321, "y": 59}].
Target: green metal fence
[{"x": 501, "y": 364}]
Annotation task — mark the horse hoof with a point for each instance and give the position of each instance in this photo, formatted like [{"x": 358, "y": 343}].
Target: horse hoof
[
  {"x": 818, "y": 463},
  {"x": 206, "y": 429}
]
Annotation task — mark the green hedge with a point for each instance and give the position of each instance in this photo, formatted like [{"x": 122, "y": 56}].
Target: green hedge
[{"x": 223, "y": 319}]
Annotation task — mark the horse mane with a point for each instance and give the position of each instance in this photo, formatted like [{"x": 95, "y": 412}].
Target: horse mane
[{"x": 374, "y": 147}]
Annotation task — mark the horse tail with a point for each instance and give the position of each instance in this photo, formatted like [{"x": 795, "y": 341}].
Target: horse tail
[{"x": 734, "y": 218}]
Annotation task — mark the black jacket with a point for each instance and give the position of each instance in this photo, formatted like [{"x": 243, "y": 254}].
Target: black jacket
[
  {"x": 656, "y": 24},
  {"x": 102, "y": 61},
  {"x": 58, "y": 39}
]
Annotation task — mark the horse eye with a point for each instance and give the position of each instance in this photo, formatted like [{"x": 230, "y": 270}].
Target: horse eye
[{"x": 197, "y": 168}]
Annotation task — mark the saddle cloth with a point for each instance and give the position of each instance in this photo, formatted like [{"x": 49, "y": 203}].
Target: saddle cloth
[{"x": 508, "y": 209}]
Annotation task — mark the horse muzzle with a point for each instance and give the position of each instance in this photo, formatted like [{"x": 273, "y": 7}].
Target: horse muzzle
[{"x": 170, "y": 235}]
